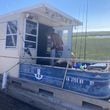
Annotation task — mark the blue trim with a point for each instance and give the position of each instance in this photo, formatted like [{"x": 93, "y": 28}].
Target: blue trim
[{"x": 88, "y": 83}]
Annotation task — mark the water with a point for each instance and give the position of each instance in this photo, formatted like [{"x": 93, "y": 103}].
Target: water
[{"x": 9, "y": 103}]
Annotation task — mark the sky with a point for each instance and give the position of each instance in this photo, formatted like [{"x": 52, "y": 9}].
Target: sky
[{"x": 98, "y": 16}]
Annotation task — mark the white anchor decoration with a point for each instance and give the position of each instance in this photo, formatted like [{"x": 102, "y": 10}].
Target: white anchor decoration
[{"x": 38, "y": 76}]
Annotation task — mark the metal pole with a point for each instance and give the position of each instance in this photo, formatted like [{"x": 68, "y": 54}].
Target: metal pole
[
  {"x": 85, "y": 48},
  {"x": 65, "y": 74}
]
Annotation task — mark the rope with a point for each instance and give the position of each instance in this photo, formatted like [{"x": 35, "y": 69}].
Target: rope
[{"x": 12, "y": 67}]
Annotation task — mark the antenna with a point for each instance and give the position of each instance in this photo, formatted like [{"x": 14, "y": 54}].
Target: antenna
[{"x": 81, "y": 47}]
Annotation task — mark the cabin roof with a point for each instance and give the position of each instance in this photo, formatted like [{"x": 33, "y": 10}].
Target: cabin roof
[{"x": 49, "y": 15}]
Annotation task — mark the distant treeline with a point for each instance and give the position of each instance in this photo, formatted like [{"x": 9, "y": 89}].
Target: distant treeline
[{"x": 95, "y": 33}]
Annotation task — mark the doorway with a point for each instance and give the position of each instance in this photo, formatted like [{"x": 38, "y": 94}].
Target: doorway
[{"x": 44, "y": 43}]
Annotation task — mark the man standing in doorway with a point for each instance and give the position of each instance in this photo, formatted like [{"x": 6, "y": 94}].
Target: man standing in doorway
[{"x": 57, "y": 44}]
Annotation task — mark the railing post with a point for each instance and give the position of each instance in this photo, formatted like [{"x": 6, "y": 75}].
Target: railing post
[
  {"x": 4, "y": 80},
  {"x": 65, "y": 74}
]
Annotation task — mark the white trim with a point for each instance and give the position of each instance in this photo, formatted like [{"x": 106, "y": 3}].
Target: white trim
[
  {"x": 34, "y": 42},
  {"x": 10, "y": 47},
  {"x": 76, "y": 22},
  {"x": 62, "y": 13},
  {"x": 12, "y": 34},
  {"x": 30, "y": 35},
  {"x": 29, "y": 41},
  {"x": 37, "y": 38},
  {"x": 23, "y": 40}
]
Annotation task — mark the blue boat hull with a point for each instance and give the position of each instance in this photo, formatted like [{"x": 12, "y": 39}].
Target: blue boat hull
[{"x": 96, "y": 85}]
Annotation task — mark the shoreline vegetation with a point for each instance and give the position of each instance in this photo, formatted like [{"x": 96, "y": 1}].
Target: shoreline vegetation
[{"x": 97, "y": 47}]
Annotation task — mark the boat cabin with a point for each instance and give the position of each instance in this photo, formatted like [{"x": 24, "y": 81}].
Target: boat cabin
[
  {"x": 34, "y": 39},
  {"x": 25, "y": 36}
]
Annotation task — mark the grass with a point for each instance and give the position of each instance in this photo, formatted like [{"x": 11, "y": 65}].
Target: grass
[{"x": 97, "y": 48}]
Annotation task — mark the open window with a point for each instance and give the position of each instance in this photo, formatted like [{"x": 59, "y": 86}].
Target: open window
[
  {"x": 11, "y": 34},
  {"x": 30, "y": 40},
  {"x": 30, "y": 34}
]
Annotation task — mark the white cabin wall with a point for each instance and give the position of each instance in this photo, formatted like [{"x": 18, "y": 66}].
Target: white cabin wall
[{"x": 9, "y": 56}]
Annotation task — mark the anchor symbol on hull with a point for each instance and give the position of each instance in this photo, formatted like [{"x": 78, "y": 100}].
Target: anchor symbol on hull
[{"x": 38, "y": 75}]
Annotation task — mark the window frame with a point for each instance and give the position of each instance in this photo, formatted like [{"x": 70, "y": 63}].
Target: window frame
[
  {"x": 32, "y": 36},
  {"x": 12, "y": 34},
  {"x": 25, "y": 33}
]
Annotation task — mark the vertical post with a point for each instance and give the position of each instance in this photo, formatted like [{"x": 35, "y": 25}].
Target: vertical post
[
  {"x": 4, "y": 80},
  {"x": 70, "y": 45},
  {"x": 65, "y": 74}
]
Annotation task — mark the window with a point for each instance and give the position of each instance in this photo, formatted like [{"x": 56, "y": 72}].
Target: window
[
  {"x": 11, "y": 34},
  {"x": 31, "y": 27},
  {"x": 30, "y": 34},
  {"x": 30, "y": 44},
  {"x": 30, "y": 38}
]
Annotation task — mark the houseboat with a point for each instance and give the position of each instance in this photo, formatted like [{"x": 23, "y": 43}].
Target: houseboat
[{"x": 33, "y": 44}]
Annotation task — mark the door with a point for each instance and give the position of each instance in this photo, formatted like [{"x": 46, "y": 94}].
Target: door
[{"x": 30, "y": 42}]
